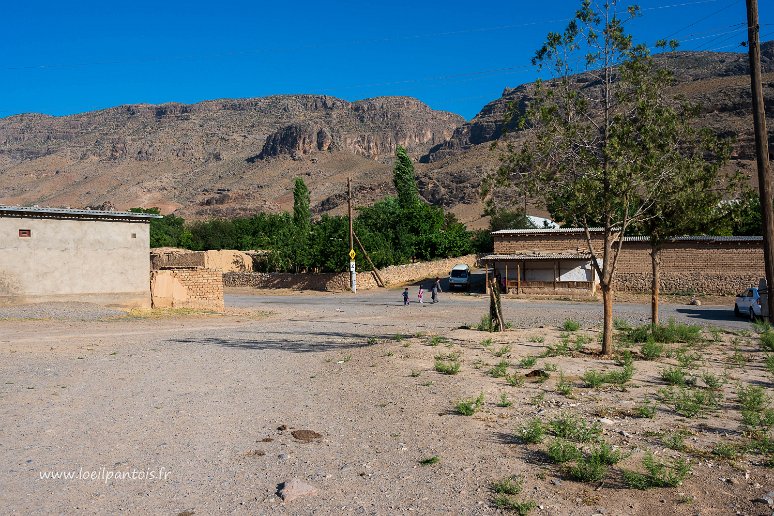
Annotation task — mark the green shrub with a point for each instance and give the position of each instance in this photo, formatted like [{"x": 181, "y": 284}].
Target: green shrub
[
  {"x": 651, "y": 349},
  {"x": 470, "y": 406},
  {"x": 767, "y": 340},
  {"x": 605, "y": 454},
  {"x": 448, "y": 366},
  {"x": 621, "y": 324},
  {"x": 499, "y": 370},
  {"x": 561, "y": 451},
  {"x": 754, "y": 403},
  {"x": 537, "y": 339},
  {"x": 712, "y": 381},
  {"x": 518, "y": 507},
  {"x": 588, "y": 469},
  {"x": 485, "y": 324},
  {"x": 527, "y": 362},
  {"x": 691, "y": 402},
  {"x": 568, "y": 426},
  {"x": 725, "y": 451},
  {"x": 515, "y": 380},
  {"x": 674, "y": 376},
  {"x": 503, "y": 351},
  {"x": 620, "y": 377},
  {"x": 675, "y": 440},
  {"x": 570, "y": 325},
  {"x": 667, "y": 334},
  {"x": 504, "y": 401},
  {"x": 508, "y": 486},
  {"x": 593, "y": 378},
  {"x": 436, "y": 339},
  {"x": 769, "y": 363},
  {"x": 563, "y": 387},
  {"x": 646, "y": 409},
  {"x": 658, "y": 474},
  {"x": 531, "y": 432}
]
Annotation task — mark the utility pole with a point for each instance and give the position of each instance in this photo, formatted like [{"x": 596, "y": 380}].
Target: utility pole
[
  {"x": 765, "y": 187},
  {"x": 352, "y": 271}
]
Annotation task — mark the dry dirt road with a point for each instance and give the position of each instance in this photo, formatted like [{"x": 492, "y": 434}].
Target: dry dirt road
[{"x": 209, "y": 403}]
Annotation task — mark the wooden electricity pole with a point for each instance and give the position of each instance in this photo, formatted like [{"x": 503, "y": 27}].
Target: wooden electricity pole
[
  {"x": 352, "y": 271},
  {"x": 765, "y": 187}
]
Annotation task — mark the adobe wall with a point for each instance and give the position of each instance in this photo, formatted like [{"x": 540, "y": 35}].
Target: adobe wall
[
  {"x": 719, "y": 268},
  {"x": 545, "y": 242},
  {"x": 710, "y": 267},
  {"x": 332, "y": 282},
  {"x": 187, "y": 288},
  {"x": 220, "y": 260},
  {"x": 97, "y": 261}
]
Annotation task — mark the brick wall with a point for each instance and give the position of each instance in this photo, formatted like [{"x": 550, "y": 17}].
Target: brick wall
[
  {"x": 545, "y": 242},
  {"x": 393, "y": 275},
  {"x": 710, "y": 267},
  {"x": 187, "y": 288}
]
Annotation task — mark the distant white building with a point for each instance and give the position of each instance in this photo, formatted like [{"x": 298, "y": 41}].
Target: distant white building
[{"x": 51, "y": 254}]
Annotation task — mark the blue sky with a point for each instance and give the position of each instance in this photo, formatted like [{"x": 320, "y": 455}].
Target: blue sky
[{"x": 70, "y": 57}]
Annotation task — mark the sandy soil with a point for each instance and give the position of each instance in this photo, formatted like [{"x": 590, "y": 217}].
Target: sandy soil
[{"x": 203, "y": 397}]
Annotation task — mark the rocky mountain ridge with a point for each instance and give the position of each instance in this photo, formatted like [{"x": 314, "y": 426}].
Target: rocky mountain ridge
[{"x": 238, "y": 156}]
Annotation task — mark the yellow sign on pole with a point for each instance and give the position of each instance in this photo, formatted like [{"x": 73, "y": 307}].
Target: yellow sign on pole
[{"x": 351, "y": 254}]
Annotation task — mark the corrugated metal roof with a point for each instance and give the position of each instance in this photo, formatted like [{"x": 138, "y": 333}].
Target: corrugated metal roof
[
  {"x": 700, "y": 238},
  {"x": 75, "y": 214},
  {"x": 542, "y": 231},
  {"x": 537, "y": 256}
]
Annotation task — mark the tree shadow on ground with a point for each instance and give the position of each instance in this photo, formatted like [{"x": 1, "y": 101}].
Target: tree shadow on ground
[
  {"x": 708, "y": 314},
  {"x": 294, "y": 342}
]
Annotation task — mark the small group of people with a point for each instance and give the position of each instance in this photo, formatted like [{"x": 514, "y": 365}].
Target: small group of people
[{"x": 434, "y": 291}]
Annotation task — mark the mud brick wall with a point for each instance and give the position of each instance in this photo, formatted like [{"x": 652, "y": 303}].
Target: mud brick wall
[
  {"x": 544, "y": 242},
  {"x": 688, "y": 267},
  {"x": 332, "y": 282},
  {"x": 160, "y": 259},
  {"x": 719, "y": 268},
  {"x": 196, "y": 288}
]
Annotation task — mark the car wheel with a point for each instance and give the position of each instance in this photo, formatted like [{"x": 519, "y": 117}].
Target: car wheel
[
  {"x": 736, "y": 310},
  {"x": 752, "y": 315}
]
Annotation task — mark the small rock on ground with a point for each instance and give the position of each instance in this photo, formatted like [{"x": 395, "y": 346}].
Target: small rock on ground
[{"x": 295, "y": 488}]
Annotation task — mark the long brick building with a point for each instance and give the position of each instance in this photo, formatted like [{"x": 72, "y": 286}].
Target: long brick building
[{"x": 559, "y": 261}]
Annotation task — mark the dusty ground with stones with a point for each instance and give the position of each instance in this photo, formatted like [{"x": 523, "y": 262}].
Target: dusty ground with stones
[{"x": 215, "y": 401}]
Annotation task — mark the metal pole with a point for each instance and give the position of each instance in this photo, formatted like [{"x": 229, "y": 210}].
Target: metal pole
[
  {"x": 352, "y": 270},
  {"x": 765, "y": 187}
]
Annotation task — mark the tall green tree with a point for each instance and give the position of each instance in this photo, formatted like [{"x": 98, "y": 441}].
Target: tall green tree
[
  {"x": 663, "y": 143},
  {"x": 578, "y": 155},
  {"x": 302, "y": 216},
  {"x": 404, "y": 180}
]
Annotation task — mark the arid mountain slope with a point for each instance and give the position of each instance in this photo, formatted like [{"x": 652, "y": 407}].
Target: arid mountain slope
[
  {"x": 215, "y": 157},
  {"x": 236, "y": 157}
]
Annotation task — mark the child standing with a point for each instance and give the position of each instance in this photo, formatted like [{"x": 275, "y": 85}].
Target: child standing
[
  {"x": 420, "y": 294},
  {"x": 405, "y": 296}
]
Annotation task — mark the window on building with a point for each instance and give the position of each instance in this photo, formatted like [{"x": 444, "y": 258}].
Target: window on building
[{"x": 25, "y": 233}]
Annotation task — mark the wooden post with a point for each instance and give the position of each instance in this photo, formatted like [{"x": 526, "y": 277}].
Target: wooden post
[
  {"x": 505, "y": 290},
  {"x": 486, "y": 271},
  {"x": 379, "y": 280},
  {"x": 518, "y": 278},
  {"x": 556, "y": 266},
  {"x": 765, "y": 186},
  {"x": 352, "y": 270}
]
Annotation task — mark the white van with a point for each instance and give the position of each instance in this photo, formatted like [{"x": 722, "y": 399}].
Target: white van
[{"x": 459, "y": 277}]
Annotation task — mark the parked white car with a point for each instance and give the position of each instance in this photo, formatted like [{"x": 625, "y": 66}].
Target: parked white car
[
  {"x": 459, "y": 277},
  {"x": 748, "y": 304}
]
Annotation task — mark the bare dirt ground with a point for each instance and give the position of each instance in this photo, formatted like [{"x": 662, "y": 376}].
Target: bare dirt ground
[{"x": 200, "y": 400}]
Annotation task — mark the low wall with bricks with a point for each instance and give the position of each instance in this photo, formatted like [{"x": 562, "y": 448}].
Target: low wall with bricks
[
  {"x": 332, "y": 282},
  {"x": 694, "y": 265},
  {"x": 196, "y": 288}
]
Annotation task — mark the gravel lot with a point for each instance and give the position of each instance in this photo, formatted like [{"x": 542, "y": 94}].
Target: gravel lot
[{"x": 203, "y": 397}]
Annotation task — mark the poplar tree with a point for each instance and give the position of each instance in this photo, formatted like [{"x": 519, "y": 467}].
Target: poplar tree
[{"x": 580, "y": 156}]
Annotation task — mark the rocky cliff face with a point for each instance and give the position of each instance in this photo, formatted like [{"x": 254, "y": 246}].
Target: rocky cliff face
[
  {"x": 238, "y": 156},
  {"x": 179, "y": 155},
  {"x": 714, "y": 80}
]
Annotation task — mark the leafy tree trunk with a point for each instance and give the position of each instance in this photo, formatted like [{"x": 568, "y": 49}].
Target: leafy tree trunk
[
  {"x": 607, "y": 329},
  {"x": 655, "y": 262},
  {"x": 495, "y": 308}
]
